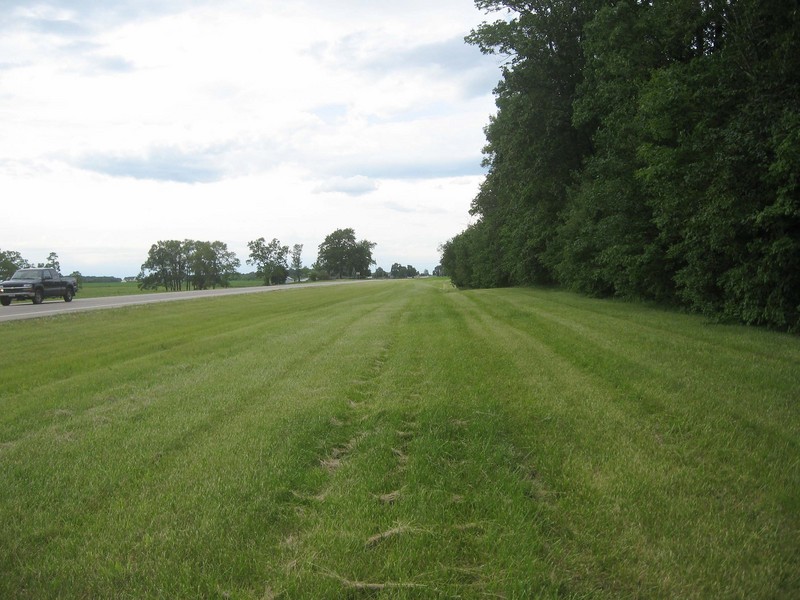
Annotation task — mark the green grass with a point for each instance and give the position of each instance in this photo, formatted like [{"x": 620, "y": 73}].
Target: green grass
[
  {"x": 124, "y": 288},
  {"x": 98, "y": 290},
  {"x": 397, "y": 440}
]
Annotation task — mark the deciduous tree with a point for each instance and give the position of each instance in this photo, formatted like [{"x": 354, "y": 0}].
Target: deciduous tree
[
  {"x": 211, "y": 264},
  {"x": 297, "y": 261},
  {"x": 52, "y": 262},
  {"x": 342, "y": 256},
  {"x": 10, "y": 261},
  {"x": 268, "y": 258},
  {"x": 644, "y": 150},
  {"x": 166, "y": 265}
]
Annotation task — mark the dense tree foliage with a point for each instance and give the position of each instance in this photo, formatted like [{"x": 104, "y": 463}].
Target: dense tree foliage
[
  {"x": 270, "y": 260},
  {"x": 399, "y": 271},
  {"x": 211, "y": 264},
  {"x": 340, "y": 255},
  {"x": 643, "y": 149},
  {"x": 10, "y": 261},
  {"x": 176, "y": 264}
]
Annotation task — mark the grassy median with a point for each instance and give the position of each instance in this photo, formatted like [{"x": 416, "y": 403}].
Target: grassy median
[{"x": 397, "y": 439}]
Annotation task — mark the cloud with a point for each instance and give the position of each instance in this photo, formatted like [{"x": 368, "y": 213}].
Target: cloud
[
  {"x": 108, "y": 12},
  {"x": 330, "y": 113},
  {"x": 159, "y": 164},
  {"x": 112, "y": 64},
  {"x": 450, "y": 60},
  {"x": 453, "y": 56},
  {"x": 428, "y": 170},
  {"x": 356, "y": 185},
  {"x": 411, "y": 168},
  {"x": 235, "y": 119},
  {"x": 398, "y": 207},
  {"x": 57, "y": 27}
]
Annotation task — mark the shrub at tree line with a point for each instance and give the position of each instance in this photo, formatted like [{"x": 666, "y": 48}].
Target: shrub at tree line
[{"x": 645, "y": 150}]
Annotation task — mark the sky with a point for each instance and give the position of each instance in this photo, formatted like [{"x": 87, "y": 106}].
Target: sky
[{"x": 127, "y": 122}]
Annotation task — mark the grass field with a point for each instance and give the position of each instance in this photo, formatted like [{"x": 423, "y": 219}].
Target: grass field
[
  {"x": 124, "y": 288},
  {"x": 398, "y": 440}
]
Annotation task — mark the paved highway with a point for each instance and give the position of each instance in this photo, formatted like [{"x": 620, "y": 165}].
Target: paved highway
[{"x": 49, "y": 308}]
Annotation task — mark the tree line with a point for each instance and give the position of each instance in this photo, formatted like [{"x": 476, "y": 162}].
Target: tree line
[
  {"x": 176, "y": 265},
  {"x": 179, "y": 265},
  {"x": 646, "y": 150}
]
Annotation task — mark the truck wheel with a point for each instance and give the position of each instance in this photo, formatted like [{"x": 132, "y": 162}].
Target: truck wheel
[
  {"x": 5, "y": 301},
  {"x": 38, "y": 296},
  {"x": 68, "y": 295}
]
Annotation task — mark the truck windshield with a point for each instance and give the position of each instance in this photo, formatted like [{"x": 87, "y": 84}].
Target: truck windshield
[{"x": 26, "y": 274}]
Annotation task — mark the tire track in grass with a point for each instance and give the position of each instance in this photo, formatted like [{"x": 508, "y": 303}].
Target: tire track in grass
[
  {"x": 422, "y": 517},
  {"x": 210, "y": 423},
  {"x": 348, "y": 428},
  {"x": 464, "y": 501},
  {"x": 354, "y": 489}
]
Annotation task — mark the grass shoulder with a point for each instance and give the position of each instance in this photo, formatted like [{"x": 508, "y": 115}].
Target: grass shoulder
[{"x": 405, "y": 440}]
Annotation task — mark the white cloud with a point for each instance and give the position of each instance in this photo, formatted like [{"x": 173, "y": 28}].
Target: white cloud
[
  {"x": 131, "y": 122},
  {"x": 354, "y": 186}
]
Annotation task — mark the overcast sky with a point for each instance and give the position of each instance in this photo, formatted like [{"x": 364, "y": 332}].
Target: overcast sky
[{"x": 125, "y": 122}]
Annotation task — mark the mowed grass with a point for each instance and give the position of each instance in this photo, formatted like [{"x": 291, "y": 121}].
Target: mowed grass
[
  {"x": 399, "y": 440},
  {"x": 125, "y": 288}
]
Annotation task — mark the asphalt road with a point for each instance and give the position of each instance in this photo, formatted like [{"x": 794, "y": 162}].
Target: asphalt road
[{"x": 57, "y": 306}]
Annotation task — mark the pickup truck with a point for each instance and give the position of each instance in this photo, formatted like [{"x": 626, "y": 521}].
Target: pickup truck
[{"x": 36, "y": 285}]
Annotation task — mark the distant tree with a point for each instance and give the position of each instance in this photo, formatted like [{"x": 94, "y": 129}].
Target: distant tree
[
  {"x": 10, "y": 261},
  {"x": 317, "y": 273},
  {"x": 166, "y": 265},
  {"x": 95, "y": 278},
  {"x": 361, "y": 259},
  {"x": 211, "y": 264},
  {"x": 268, "y": 258},
  {"x": 52, "y": 262},
  {"x": 279, "y": 275},
  {"x": 438, "y": 271},
  {"x": 297, "y": 261},
  {"x": 342, "y": 256},
  {"x": 380, "y": 273},
  {"x": 174, "y": 265},
  {"x": 226, "y": 263},
  {"x": 399, "y": 271}
]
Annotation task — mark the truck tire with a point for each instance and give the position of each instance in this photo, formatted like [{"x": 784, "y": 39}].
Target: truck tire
[
  {"x": 38, "y": 296},
  {"x": 5, "y": 301},
  {"x": 68, "y": 295}
]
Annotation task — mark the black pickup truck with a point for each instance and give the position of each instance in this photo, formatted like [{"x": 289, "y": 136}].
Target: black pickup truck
[{"x": 36, "y": 285}]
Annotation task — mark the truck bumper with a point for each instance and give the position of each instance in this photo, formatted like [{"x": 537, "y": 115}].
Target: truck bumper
[{"x": 26, "y": 295}]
